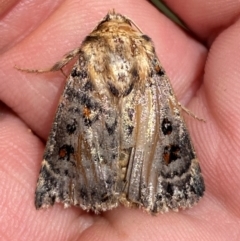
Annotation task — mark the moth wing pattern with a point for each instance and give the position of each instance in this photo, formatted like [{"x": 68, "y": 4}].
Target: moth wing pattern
[
  {"x": 118, "y": 135},
  {"x": 80, "y": 166},
  {"x": 164, "y": 173}
]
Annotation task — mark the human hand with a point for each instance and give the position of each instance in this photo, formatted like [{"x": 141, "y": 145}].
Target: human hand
[{"x": 36, "y": 35}]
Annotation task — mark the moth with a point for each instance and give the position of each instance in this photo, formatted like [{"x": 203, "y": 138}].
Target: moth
[{"x": 118, "y": 135}]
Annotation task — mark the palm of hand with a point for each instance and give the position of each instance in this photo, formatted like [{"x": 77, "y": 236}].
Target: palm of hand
[{"x": 29, "y": 102}]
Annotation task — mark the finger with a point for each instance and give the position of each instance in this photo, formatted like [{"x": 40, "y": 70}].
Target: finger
[
  {"x": 222, "y": 93},
  {"x": 19, "y": 19},
  {"x": 206, "y": 18}
]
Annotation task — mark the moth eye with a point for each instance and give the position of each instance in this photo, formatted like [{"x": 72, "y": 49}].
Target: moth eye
[{"x": 166, "y": 126}]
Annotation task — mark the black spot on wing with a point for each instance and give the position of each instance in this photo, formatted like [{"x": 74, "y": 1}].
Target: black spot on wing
[
  {"x": 82, "y": 74},
  {"x": 134, "y": 72},
  {"x": 111, "y": 128},
  {"x": 71, "y": 126},
  {"x": 171, "y": 153},
  {"x": 113, "y": 89},
  {"x": 88, "y": 86},
  {"x": 130, "y": 129},
  {"x": 42, "y": 193},
  {"x": 131, "y": 112},
  {"x": 87, "y": 101},
  {"x": 128, "y": 91},
  {"x": 160, "y": 72},
  {"x": 65, "y": 151},
  {"x": 166, "y": 126},
  {"x": 75, "y": 72},
  {"x": 170, "y": 189}
]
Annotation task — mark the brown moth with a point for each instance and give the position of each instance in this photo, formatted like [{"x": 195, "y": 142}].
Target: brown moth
[{"x": 118, "y": 135}]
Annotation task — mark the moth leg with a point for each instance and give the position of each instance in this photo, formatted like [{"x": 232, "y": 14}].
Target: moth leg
[
  {"x": 57, "y": 66},
  {"x": 189, "y": 112}
]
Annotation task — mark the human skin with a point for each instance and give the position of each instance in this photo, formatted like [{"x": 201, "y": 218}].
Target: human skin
[{"x": 205, "y": 74}]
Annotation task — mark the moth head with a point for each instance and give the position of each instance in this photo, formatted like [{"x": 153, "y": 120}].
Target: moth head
[{"x": 116, "y": 17}]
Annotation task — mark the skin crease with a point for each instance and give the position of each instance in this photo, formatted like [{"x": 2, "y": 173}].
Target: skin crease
[{"x": 204, "y": 74}]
